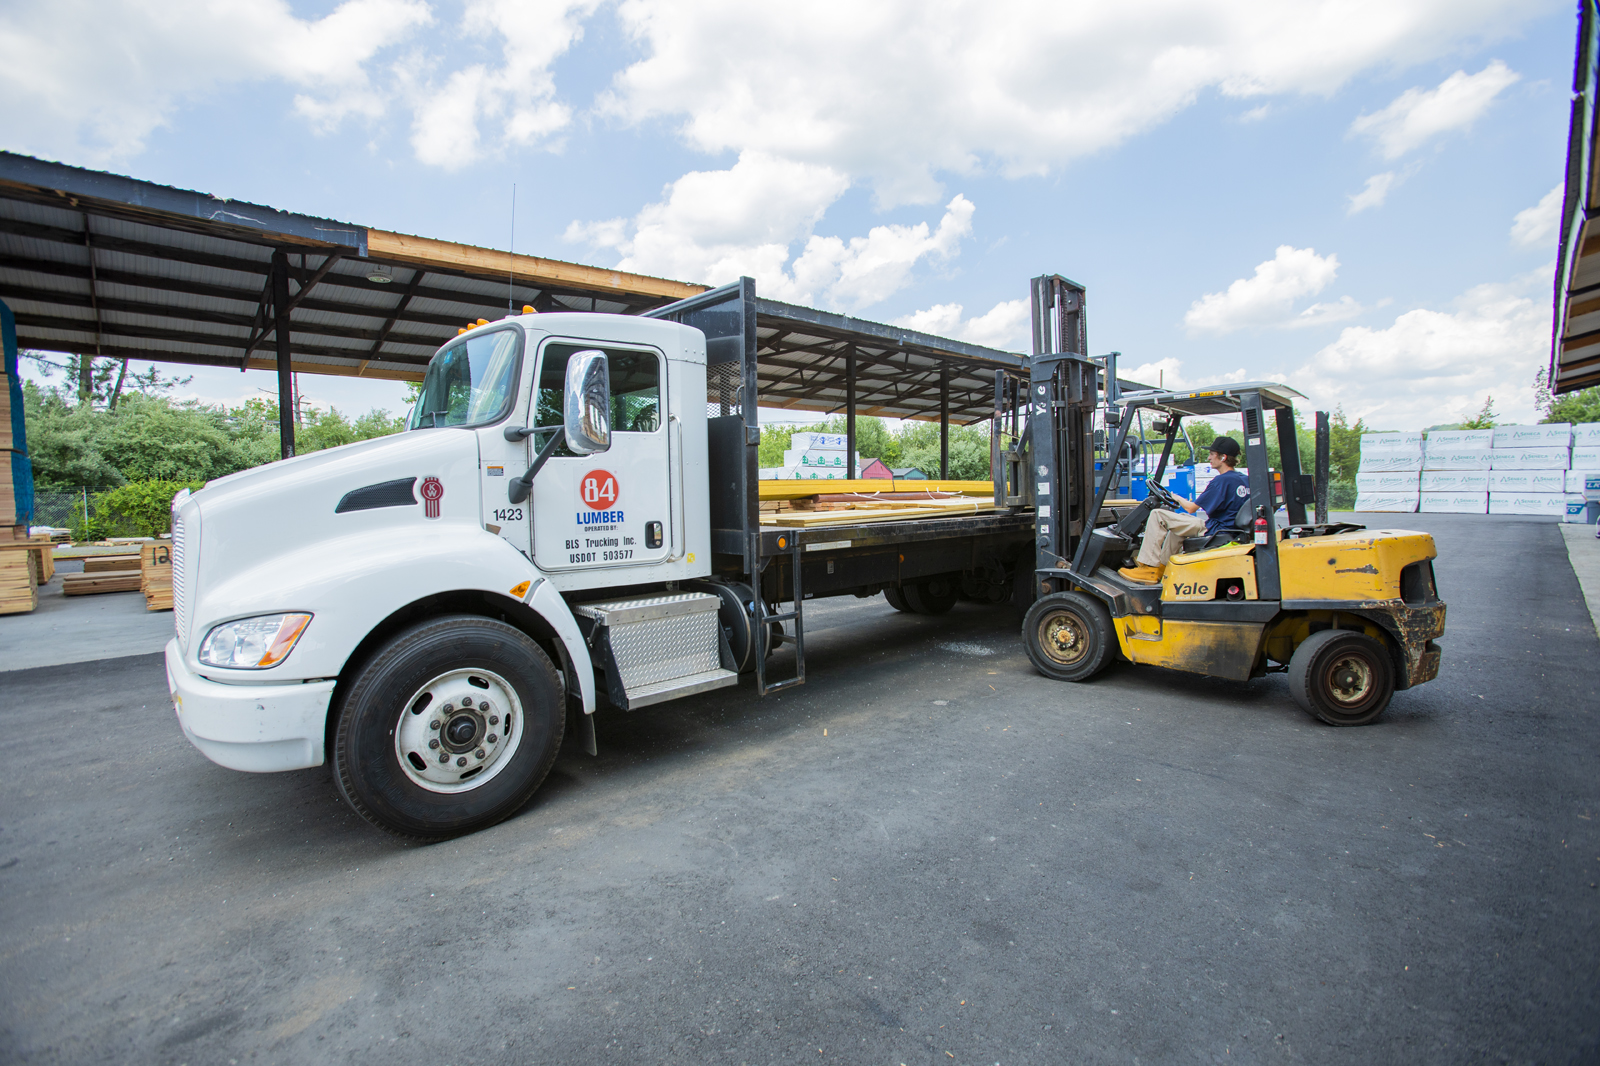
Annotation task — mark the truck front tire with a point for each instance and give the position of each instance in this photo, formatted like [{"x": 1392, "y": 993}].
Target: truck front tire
[{"x": 449, "y": 728}]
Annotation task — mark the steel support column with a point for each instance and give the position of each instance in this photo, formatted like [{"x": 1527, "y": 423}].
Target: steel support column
[
  {"x": 850, "y": 413},
  {"x": 280, "y": 311},
  {"x": 1323, "y": 467},
  {"x": 944, "y": 421}
]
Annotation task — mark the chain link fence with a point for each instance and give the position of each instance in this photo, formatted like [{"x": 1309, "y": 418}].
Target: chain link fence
[{"x": 77, "y": 511}]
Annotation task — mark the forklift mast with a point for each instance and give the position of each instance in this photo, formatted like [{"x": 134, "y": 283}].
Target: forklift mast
[{"x": 1063, "y": 393}]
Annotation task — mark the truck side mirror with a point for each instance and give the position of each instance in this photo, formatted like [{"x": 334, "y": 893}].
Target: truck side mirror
[{"x": 587, "y": 406}]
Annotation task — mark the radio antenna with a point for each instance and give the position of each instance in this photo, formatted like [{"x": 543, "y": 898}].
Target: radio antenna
[{"x": 511, "y": 249}]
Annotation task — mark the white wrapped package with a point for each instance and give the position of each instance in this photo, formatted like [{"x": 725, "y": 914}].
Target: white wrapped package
[
  {"x": 1586, "y": 435},
  {"x": 808, "y": 473},
  {"x": 1387, "y": 501},
  {"x": 1454, "y": 503},
  {"x": 1458, "y": 440},
  {"x": 796, "y": 457},
  {"x": 1386, "y": 482},
  {"x": 1527, "y": 480},
  {"x": 1390, "y": 444},
  {"x": 1387, "y": 463},
  {"x": 1584, "y": 482},
  {"x": 1550, "y": 435},
  {"x": 1577, "y": 510},
  {"x": 1531, "y": 503},
  {"x": 1584, "y": 459},
  {"x": 1455, "y": 481},
  {"x": 1457, "y": 459},
  {"x": 819, "y": 442},
  {"x": 1529, "y": 459}
]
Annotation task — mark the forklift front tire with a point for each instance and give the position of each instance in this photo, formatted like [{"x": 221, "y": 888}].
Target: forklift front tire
[
  {"x": 1068, "y": 636},
  {"x": 1341, "y": 677}
]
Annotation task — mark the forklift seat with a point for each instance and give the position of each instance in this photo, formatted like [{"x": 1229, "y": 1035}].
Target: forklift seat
[{"x": 1239, "y": 533}]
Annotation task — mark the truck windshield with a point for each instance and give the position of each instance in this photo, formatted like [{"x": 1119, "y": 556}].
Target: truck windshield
[{"x": 471, "y": 383}]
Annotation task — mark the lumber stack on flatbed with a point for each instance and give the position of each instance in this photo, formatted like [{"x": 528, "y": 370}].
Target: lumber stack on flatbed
[
  {"x": 796, "y": 489},
  {"x": 104, "y": 581},
  {"x": 155, "y": 575}
]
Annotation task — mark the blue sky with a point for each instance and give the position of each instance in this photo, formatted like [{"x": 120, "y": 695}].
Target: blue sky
[{"x": 1199, "y": 165}]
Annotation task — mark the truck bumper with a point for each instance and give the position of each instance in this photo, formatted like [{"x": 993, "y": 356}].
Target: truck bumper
[{"x": 258, "y": 728}]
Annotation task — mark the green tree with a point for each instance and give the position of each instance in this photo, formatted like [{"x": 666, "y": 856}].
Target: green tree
[
  {"x": 143, "y": 507},
  {"x": 1485, "y": 418},
  {"x": 969, "y": 450},
  {"x": 873, "y": 439},
  {"x": 1575, "y": 407}
]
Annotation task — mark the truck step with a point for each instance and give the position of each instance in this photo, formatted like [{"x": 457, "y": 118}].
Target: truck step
[
  {"x": 659, "y": 647},
  {"x": 662, "y": 691}
]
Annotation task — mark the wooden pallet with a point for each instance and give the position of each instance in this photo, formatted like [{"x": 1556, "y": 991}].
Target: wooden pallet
[
  {"x": 155, "y": 575},
  {"x": 105, "y": 581}
]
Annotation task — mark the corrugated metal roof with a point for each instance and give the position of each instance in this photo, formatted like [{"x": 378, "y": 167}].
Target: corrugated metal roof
[{"x": 105, "y": 265}]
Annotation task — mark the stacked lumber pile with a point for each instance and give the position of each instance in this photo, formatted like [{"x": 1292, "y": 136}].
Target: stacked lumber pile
[
  {"x": 838, "y": 509},
  {"x": 155, "y": 575},
  {"x": 19, "y": 573},
  {"x": 93, "y": 583},
  {"x": 104, "y": 564}
]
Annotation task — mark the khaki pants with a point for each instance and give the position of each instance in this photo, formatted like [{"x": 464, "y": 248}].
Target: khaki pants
[{"x": 1164, "y": 534}]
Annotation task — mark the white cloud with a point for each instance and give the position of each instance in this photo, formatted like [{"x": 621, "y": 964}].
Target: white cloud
[
  {"x": 1168, "y": 373},
  {"x": 519, "y": 94},
  {"x": 1539, "y": 224},
  {"x": 1267, "y": 298},
  {"x": 1418, "y": 114},
  {"x": 1004, "y": 326},
  {"x": 893, "y": 93},
  {"x": 1373, "y": 195},
  {"x": 91, "y": 79},
  {"x": 714, "y": 226},
  {"x": 1437, "y": 366}
]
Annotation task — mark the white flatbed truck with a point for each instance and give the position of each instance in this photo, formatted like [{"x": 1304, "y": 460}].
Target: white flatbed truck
[{"x": 571, "y": 522}]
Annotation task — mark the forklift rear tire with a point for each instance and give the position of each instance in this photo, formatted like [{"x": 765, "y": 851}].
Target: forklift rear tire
[
  {"x": 933, "y": 596},
  {"x": 1341, "y": 677},
  {"x": 897, "y": 599},
  {"x": 1068, "y": 636},
  {"x": 449, "y": 728}
]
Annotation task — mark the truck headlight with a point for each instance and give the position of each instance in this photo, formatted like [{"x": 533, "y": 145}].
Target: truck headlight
[{"x": 253, "y": 643}]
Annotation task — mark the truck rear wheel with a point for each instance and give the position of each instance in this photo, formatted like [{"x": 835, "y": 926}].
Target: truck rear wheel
[
  {"x": 448, "y": 729},
  {"x": 936, "y": 595},
  {"x": 1068, "y": 636},
  {"x": 1341, "y": 677},
  {"x": 897, "y": 599}
]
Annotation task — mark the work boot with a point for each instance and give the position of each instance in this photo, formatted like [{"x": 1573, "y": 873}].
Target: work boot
[{"x": 1144, "y": 575}]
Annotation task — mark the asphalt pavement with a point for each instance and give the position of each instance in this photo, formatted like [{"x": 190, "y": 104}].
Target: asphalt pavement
[{"x": 927, "y": 854}]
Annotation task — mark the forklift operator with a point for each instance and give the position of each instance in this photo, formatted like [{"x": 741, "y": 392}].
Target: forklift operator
[{"x": 1215, "y": 510}]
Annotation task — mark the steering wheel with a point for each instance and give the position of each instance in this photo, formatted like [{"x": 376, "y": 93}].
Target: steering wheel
[{"x": 1159, "y": 493}]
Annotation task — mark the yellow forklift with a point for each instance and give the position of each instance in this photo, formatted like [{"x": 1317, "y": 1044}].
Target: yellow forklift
[{"x": 1350, "y": 614}]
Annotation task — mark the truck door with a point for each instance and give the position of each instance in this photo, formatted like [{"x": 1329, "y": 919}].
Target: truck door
[{"x": 613, "y": 509}]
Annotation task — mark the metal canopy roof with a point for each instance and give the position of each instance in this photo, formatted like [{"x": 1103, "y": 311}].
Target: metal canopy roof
[
  {"x": 805, "y": 356},
  {"x": 103, "y": 265},
  {"x": 1221, "y": 401},
  {"x": 1575, "y": 348}
]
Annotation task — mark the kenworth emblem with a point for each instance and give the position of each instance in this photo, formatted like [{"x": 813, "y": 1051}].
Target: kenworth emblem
[{"x": 432, "y": 492}]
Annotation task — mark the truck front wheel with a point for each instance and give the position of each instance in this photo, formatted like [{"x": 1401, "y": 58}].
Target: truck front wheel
[{"x": 448, "y": 729}]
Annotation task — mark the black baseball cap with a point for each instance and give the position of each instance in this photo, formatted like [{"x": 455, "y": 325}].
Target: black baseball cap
[{"x": 1225, "y": 446}]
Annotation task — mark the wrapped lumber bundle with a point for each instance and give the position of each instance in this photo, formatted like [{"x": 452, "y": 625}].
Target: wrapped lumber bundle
[{"x": 155, "y": 576}]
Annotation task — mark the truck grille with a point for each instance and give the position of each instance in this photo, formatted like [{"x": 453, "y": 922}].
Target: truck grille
[{"x": 180, "y": 597}]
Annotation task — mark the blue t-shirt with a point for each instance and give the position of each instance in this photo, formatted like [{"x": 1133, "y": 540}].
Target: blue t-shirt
[{"x": 1223, "y": 498}]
